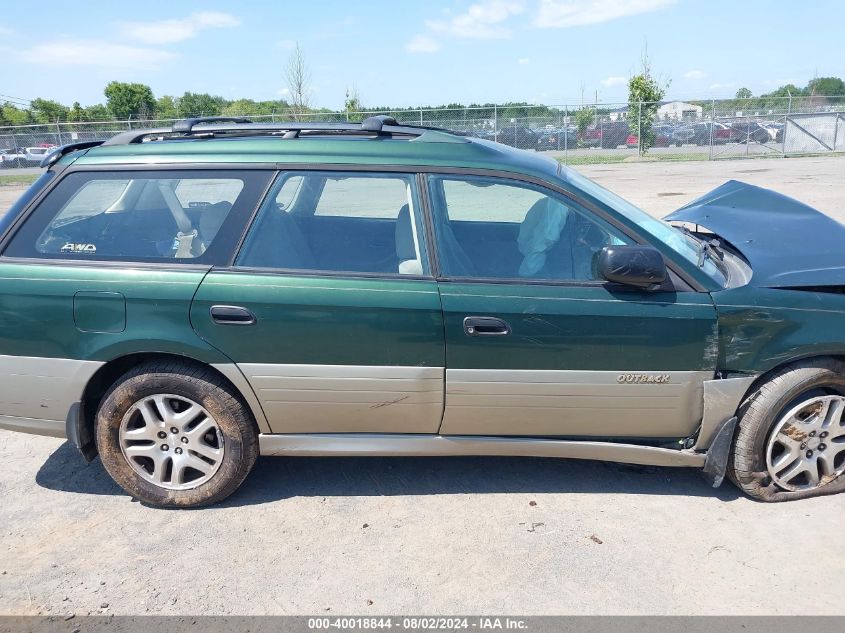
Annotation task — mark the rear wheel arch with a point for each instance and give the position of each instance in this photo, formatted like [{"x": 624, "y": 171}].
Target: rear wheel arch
[{"x": 105, "y": 377}]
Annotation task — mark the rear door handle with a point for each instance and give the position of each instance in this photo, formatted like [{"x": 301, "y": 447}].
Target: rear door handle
[
  {"x": 232, "y": 315},
  {"x": 485, "y": 326}
]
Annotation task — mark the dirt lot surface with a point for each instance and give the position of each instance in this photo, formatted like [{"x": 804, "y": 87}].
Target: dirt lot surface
[
  {"x": 662, "y": 187},
  {"x": 437, "y": 535}
]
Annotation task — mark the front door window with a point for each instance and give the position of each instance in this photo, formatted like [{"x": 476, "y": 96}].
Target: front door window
[{"x": 502, "y": 229}]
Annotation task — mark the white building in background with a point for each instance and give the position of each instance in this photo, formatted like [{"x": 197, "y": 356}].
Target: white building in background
[
  {"x": 668, "y": 111},
  {"x": 678, "y": 110}
]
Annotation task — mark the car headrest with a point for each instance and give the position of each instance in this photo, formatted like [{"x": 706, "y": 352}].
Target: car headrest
[{"x": 212, "y": 218}]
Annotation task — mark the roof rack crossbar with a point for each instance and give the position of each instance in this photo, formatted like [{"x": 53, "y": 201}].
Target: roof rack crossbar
[
  {"x": 185, "y": 126},
  {"x": 377, "y": 123}
]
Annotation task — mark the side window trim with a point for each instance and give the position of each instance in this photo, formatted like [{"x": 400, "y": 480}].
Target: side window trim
[{"x": 416, "y": 196}]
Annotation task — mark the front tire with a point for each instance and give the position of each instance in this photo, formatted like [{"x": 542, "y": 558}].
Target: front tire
[
  {"x": 175, "y": 435},
  {"x": 790, "y": 442}
]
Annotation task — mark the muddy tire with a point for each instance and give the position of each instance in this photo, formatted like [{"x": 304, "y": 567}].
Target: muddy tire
[
  {"x": 790, "y": 440},
  {"x": 176, "y": 435}
]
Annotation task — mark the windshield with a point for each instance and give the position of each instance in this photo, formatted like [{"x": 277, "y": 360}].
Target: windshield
[{"x": 684, "y": 244}]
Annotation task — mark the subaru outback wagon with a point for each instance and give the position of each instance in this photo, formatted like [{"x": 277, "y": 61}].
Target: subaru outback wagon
[{"x": 183, "y": 300}]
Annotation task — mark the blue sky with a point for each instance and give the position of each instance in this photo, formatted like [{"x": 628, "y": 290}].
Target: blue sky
[{"x": 417, "y": 53}]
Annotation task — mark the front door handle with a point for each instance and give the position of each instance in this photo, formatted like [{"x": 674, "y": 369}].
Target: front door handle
[
  {"x": 486, "y": 326},
  {"x": 232, "y": 315}
]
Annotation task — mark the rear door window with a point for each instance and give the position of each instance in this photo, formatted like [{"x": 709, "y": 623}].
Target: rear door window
[
  {"x": 142, "y": 216},
  {"x": 330, "y": 222}
]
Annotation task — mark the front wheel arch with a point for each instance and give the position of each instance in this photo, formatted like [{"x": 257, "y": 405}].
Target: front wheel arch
[{"x": 772, "y": 371}]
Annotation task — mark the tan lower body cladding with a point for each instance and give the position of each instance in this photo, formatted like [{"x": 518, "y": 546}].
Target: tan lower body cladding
[
  {"x": 573, "y": 403},
  {"x": 348, "y": 398},
  {"x": 492, "y": 402}
]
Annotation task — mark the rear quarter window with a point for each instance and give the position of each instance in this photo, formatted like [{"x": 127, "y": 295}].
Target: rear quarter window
[{"x": 186, "y": 216}]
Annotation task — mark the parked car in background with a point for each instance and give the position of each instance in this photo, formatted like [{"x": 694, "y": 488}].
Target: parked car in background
[
  {"x": 13, "y": 157},
  {"x": 34, "y": 155},
  {"x": 679, "y": 133},
  {"x": 607, "y": 135},
  {"x": 661, "y": 139},
  {"x": 747, "y": 131},
  {"x": 518, "y": 136},
  {"x": 556, "y": 139},
  {"x": 705, "y": 132},
  {"x": 774, "y": 128},
  {"x": 487, "y": 135}
]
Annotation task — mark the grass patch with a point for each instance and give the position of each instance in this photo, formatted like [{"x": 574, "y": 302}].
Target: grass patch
[
  {"x": 593, "y": 160},
  {"x": 20, "y": 179},
  {"x": 607, "y": 159}
]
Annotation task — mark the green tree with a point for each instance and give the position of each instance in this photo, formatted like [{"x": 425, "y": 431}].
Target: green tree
[
  {"x": 785, "y": 91},
  {"x": 644, "y": 95},
  {"x": 200, "y": 104},
  {"x": 130, "y": 100},
  {"x": 97, "y": 112},
  {"x": 11, "y": 114},
  {"x": 166, "y": 108},
  {"x": 584, "y": 117},
  {"x": 352, "y": 105},
  {"x": 76, "y": 113},
  {"x": 46, "y": 111},
  {"x": 743, "y": 93},
  {"x": 826, "y": 87}
]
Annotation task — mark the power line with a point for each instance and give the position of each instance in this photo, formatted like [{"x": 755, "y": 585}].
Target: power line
[{"x": 20, "y": 100}]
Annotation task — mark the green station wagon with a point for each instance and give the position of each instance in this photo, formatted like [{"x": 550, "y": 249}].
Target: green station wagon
[{"x": 183, "y": 300}]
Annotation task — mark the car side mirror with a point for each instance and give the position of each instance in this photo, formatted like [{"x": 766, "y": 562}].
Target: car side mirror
[{"x": 638, "y": 266}]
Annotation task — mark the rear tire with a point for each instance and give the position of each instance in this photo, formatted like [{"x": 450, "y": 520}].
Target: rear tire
[
  {"x": 175, "y": 435},
  {"x": 790, "y": 442}
]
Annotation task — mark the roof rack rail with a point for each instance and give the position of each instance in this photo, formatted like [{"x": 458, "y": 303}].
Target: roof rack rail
[
  {"x": 381, "y": 125},
  {"x": 57, "y": 153}
]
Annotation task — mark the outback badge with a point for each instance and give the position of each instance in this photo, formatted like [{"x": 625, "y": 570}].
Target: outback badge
[{"x": 658, "y": 379}]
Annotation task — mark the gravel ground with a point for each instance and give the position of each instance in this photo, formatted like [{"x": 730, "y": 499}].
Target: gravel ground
[{"x": 436, "y": 535}]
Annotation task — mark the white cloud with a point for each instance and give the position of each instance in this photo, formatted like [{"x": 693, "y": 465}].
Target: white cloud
[
  {"x": 285, "y": 92},
  {"x": 483, "y": 20},
  {"x": 694, "y": 74},
  {"x": 719, "y": 86},
  {"x": 422, "y": 44},
  {"x": 613, "y": 81},
  {"x": 177, "y": 29},
  {"x": 72, "y": 52},
  {"x": 286, "y": 44},
  {"x": 523, "y": 61},
  {"x": 566, "y": 13}
]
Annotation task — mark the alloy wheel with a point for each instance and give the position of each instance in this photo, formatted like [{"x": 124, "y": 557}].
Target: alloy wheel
[
  {"x": 807, "y": 446},
  {"x": 171, "y": 441}
]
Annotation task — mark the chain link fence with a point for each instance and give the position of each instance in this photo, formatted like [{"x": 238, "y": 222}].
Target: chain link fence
[{"x": 592, "y": 133}]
